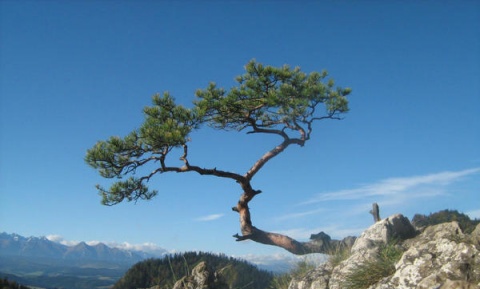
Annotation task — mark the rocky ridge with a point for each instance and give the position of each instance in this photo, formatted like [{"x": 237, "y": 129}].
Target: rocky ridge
[{"x": 439, "y": 256}]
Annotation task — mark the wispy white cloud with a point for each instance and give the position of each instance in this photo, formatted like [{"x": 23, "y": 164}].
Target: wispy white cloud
[
  {"x": 150, "y": 248},
  {"x": 54, "y": 238},
  {"x": 392, "y": 194},
  {"x": 147, "y": 247},
  {"x": 208, "y": 218},
  {"x": 417, "y": 186},
  {"x": 59, "y": 239},
  {"x": 300, "y": 214}
]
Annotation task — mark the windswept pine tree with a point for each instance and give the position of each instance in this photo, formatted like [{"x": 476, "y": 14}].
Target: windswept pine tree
[{"x": 277, "y": 102}]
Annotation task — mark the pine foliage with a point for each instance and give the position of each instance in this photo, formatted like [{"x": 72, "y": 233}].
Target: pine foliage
[{"x": 268, "y": 100}]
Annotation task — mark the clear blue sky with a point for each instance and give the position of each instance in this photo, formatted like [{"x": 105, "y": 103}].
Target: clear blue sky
[{"x": 75, "y": 72}]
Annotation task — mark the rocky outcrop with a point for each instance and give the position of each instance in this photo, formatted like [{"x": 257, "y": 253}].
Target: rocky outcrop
[
  {"x": 202, "y": 277},
  {"x": 440, "y": 256}
]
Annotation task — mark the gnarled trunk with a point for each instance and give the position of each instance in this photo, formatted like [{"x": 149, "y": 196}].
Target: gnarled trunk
[{"x": 320, "y": 243}]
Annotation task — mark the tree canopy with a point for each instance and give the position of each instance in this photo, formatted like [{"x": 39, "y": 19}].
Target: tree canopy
[{"x": 278, "y": 101}]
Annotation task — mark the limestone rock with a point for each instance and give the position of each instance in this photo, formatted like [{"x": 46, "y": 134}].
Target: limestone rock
[
  {"x": 458, "y": 285},
  {"x": 436, "y": 257},
  {"x": 394, "y": 227},
  {"x": 440, "y": 257},
  {"x": 202, "y": 277},
  {"x": 475, "y": 236},
  {"x": 316, "y": 279},
  {"x": 365, "y": 248}
]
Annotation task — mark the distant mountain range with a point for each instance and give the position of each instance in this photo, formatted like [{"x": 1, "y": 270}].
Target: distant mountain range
[
  {"x": 41, "y": 247},
  {"x": 39, "y": 262}
]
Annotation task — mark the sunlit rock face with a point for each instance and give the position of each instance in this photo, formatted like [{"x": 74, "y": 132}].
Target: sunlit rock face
[{"x": 439, "y": 256}]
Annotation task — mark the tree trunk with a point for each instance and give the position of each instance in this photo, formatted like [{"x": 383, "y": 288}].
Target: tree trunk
[
  {"x": 325, "y": 246},
  {"x": 320, "y": 243}
]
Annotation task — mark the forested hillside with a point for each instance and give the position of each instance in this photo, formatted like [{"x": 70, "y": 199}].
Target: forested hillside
[
  {"x": 7, "y": 284},
  {"x": 166, "y": 271},
  {"x": 445, "y": 216}
]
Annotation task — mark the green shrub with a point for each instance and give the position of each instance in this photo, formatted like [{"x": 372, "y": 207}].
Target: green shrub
[
  {"x": 337, "y": 254},
  {"x": 281, "y": 281}
]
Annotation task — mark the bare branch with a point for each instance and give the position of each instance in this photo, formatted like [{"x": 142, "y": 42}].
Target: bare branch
[
  {"x": 202, "y": 171},
  {"x": 271, "y": 154}
]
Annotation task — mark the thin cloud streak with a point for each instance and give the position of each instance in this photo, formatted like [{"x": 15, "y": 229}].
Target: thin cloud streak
[
  {"x": 299, "y": 215},
  {"x": 392, "y": 194},
  {"x": 393, "y": 186},
  {"x": 209, "y": 218}
]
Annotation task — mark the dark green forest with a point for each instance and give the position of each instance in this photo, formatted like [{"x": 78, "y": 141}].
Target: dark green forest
[
  {"x": 466, "y": 224},
  {"x": 7, "y": 284},
  {"x": 166, "y": 271}
]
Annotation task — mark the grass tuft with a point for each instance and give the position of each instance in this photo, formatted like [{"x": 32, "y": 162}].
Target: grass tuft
[
  {"x": 372, "y": 271},
  {"x": 283, "y": 280},
  {"x": 338, "y": 254}
]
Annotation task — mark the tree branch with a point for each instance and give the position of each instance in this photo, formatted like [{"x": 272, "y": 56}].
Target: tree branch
[
  {"x": 269, "y": 155},
  {"x": 202, "y": 171}
]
